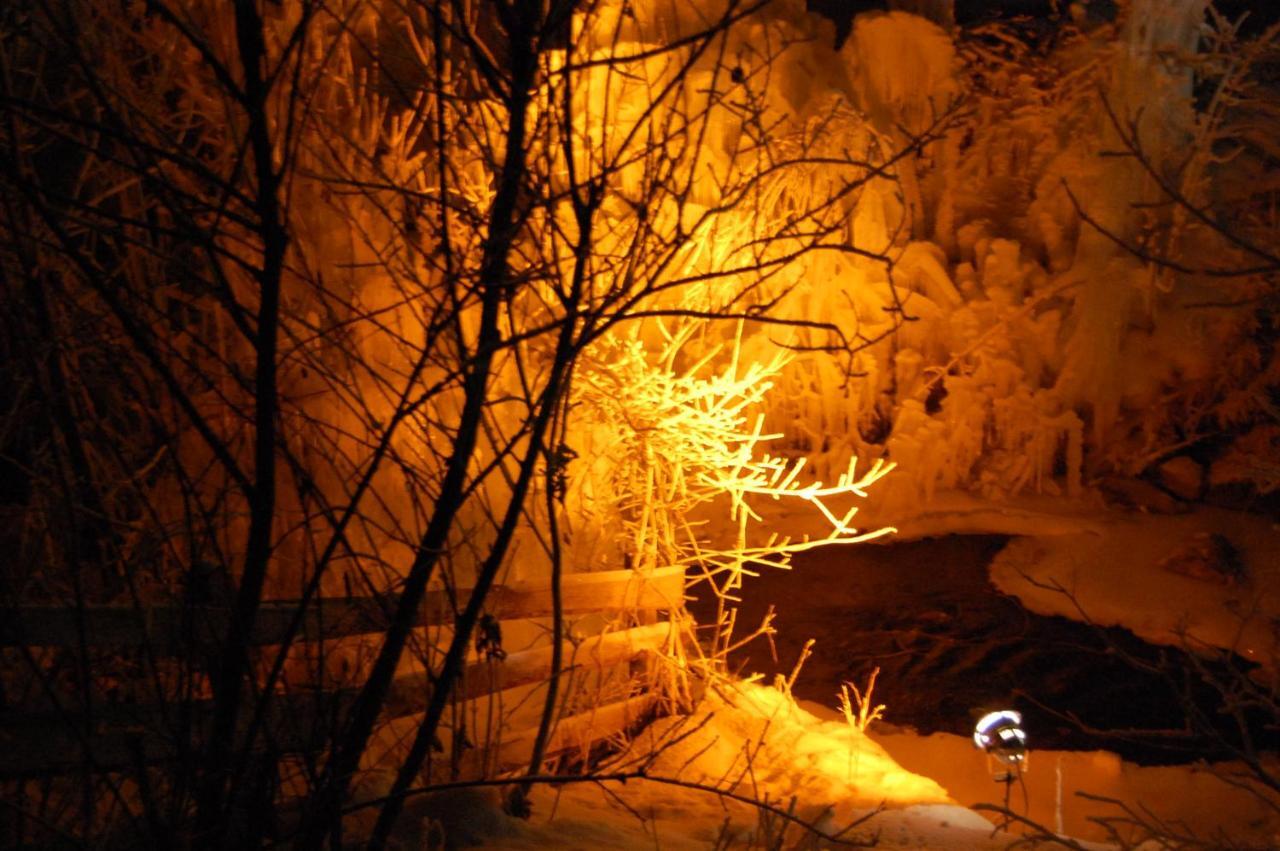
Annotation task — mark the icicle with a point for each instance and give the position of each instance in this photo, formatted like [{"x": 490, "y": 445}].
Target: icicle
[{"x": 1057, "y": 807}]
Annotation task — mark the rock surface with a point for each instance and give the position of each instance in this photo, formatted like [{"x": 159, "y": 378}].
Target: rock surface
[{"x": 1182, "y": 477}]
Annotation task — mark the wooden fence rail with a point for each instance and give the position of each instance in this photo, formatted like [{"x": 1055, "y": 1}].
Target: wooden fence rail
[
  {"x": 167, "y": 629},
  {"x": 57, "y": 737}
]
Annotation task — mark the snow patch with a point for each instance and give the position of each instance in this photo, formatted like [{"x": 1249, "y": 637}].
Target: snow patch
[{"x": 1115, "y": 574}]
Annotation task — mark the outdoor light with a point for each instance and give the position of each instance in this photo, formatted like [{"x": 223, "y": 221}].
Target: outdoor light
[{"x": 1000, "y": 735}]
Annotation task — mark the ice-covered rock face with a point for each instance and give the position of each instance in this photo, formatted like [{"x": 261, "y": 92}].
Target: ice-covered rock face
[
  {"x": 1005, "y": 342},
  {"x": 902, "y": 69}
]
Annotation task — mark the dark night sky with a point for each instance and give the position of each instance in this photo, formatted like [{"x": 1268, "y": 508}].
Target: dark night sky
[{"x": 968, "y": 12}]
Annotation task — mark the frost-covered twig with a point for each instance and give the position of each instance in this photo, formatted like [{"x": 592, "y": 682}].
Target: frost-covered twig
[
  {"x": 866, "y": 713},
  {"x": 1039, "y": 833}
]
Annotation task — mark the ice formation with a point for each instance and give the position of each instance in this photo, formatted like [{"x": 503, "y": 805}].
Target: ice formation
[{"x": 1007, "y": 341}]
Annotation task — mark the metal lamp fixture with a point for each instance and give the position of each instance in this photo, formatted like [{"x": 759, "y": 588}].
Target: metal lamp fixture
[{"x": 1000, "y": 734}]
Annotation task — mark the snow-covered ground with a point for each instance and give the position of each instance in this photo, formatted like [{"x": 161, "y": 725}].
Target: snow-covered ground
[
  {"x": 754, "y": 741},
  {"x": 1199, "y": 799},
  {"x": 808, "y": 761}
]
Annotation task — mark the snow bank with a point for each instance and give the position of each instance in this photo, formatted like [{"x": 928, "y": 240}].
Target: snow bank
[
  {"x": 797, "y": 755},
  {"x": 754, "y": 741},
  {"x": 1114, "y": 573}
]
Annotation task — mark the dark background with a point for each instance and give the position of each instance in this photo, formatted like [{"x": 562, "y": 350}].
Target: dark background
[{"x": 1261, "y": 13}]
